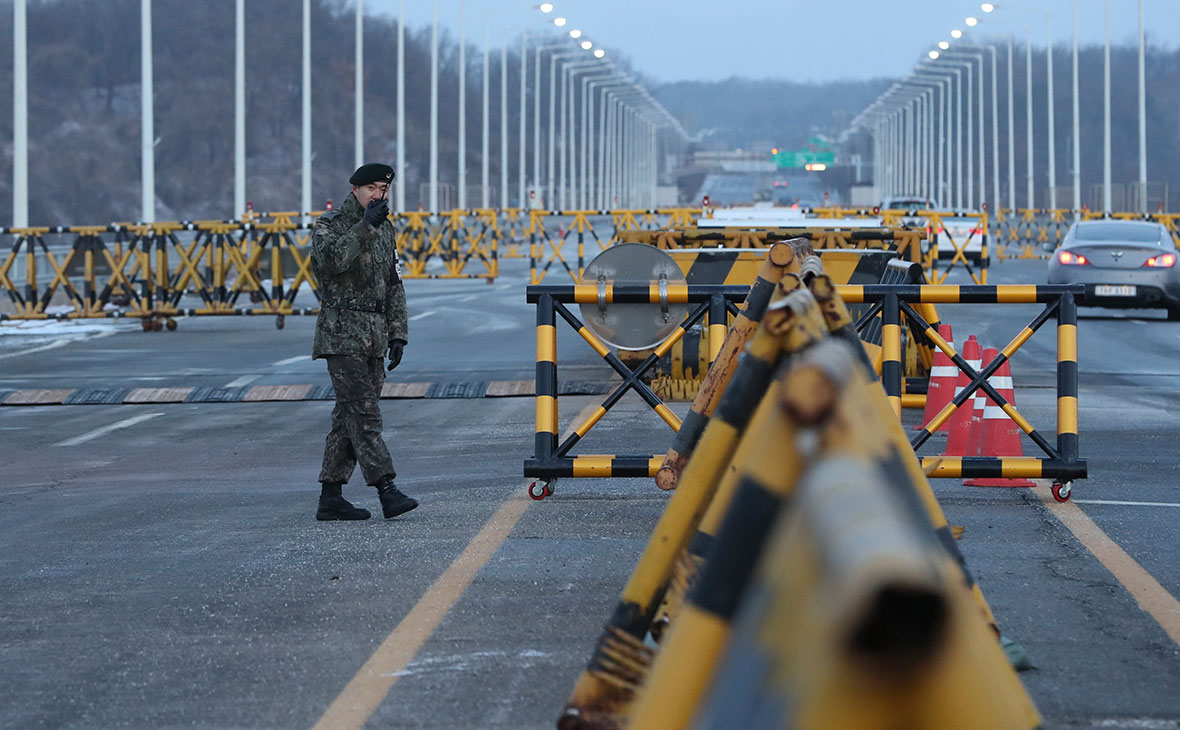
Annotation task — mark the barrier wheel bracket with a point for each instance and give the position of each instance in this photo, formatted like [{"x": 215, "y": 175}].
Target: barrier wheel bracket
[{"x": 1062, "y": 491}]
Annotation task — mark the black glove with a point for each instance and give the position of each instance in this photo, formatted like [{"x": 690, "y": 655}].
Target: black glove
[
  {"x": 376, "y": 211},
  {"x": 395, "y": 353}
]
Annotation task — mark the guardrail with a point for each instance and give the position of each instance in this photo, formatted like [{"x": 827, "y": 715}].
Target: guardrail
[
  {"x": 1019, "y": 233},
  {"x": 974, "y": 262},
  {"x": 547, "y": 247},
  {"x": 145, "y": 270},
  {"x": 1031, "y": 233}
]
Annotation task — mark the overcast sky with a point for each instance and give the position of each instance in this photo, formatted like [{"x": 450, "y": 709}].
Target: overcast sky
[{"x": 808, "y": 40}]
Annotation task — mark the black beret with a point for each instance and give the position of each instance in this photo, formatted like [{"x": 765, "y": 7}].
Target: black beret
[{"x": 371, "y": 173}]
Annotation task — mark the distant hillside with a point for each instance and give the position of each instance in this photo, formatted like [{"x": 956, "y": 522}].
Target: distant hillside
[
  {"x": 84, "y": 120},
  {"x": 740, "y": 112}
]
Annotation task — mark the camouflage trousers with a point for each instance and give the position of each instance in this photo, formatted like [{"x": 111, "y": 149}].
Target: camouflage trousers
[{"x": 356, "y": 421}]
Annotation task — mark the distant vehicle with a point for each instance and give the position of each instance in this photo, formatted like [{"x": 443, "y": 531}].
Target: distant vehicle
[
  {"x": 1122, "y": 264},
  {"x": 954, "y": 232},
  {"x": 909, "y": 202}
]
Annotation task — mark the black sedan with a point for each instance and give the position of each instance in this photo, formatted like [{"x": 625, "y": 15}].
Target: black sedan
[{"x": 1122, "y": 264}]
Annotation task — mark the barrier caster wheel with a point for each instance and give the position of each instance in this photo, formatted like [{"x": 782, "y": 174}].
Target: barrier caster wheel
[
  {"x": 170, "y": 324},
  {"x": 549, "y": 487},
  {"x": 280, "y": 320},
  {"x": 146, "y": 324},
  {"x": 539, "y": 490},
  {"x": 157, "y": 325},
  {"x": 1061, "y": 491}
]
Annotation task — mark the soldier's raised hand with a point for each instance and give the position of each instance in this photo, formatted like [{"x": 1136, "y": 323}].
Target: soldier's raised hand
[{"x": 376, "y": 211}]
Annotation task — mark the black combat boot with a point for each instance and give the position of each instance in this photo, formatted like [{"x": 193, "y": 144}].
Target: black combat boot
[
  {"x": 393, "y": 502},
  {"x": 335, "y": 507}
]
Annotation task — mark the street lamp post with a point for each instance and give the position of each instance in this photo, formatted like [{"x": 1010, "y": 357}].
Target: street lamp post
[
  {"x": 1051, "y": 104},
  {"x": 942, "y": 161},
  {"x": 147, "y": 125},
  {"x": 550, "y": 180},
  {"x": 970, "y": 127},
  {"x": 401, "y": 105},
  {"x": 239, "y": 106},
  {"x": 588, "y": 118},
  {"x": 462, "y": 183},
  {"x": 995, "y": 126},
  {"x": 1077, "y": 124},
  {"x": 1106, "y": 203},
  {"x": 359, "y": 86},
  {"x": 1029, "y": 110},
  {"x": 536, "y": 179},
  {"x": 433, "y": 195},
  {"x": 305, "y": 198},
  {"x": 485, "y": 195},
  {"x": 20, "y": 116},
  {"x": 1142, "y": 117},
  {"x": 567, "y": 128}
]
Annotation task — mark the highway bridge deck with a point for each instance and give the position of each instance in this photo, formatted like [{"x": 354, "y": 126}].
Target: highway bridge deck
[{"x": 161, "y": 567}]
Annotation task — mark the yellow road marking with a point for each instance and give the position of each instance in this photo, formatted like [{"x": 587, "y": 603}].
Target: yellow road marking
[
  {"x": 364, "y": 693},
  {"x": 361, "y": 696},
  {"x": 1148, "y": 593}
]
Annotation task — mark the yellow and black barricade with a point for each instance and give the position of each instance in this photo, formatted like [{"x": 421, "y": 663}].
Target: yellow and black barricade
[
  {"x": 1063, "y": 464},
  {"x": 844, "y": 602},
  {"x": 781, "y": 258},
  {"x": 551, "y": 460}
]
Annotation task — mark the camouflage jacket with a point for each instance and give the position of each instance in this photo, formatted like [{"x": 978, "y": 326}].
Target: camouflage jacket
[{"x": 362, "y": 300}]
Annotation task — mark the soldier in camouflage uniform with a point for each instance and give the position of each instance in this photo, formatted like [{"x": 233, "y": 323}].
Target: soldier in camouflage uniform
[{"x": 362, "y": 315}]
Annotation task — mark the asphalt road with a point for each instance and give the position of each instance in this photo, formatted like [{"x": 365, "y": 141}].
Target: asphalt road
[{"x": 160, "y": 566}]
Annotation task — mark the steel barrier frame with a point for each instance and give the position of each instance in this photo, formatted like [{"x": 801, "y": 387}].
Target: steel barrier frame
[
  {"x": 545, "y": 250},
  {"x": 892, "y": 218},
  {"x": 1029, "y": 229},
  {"x": 550, "y": 460},
  {"x": 1063, "y": 464}
]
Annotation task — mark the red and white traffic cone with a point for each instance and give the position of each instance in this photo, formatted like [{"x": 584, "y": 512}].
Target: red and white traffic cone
[
  {"x": 999, "y": 435},
  {"x": 975, "y": 433},
  {"x": 960, "y": 422},
  {"x": 943, "y": 376}
]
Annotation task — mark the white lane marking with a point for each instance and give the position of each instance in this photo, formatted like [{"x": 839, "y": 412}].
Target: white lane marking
[
  {"x": 290, "y": 361},
  {"x": 242, "y": 381},
  {"x": 467, "y": 298},
  {"x": 125, "y": 423},
  {"x": 51, "y": 346},
  {"x": 423, "y": 315},
  {"x": 57, "y": 343},
  {"x": 1125, "y": 503}
]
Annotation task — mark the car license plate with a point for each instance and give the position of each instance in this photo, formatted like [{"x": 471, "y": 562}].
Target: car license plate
[{"x": 1110, "y": 290}]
